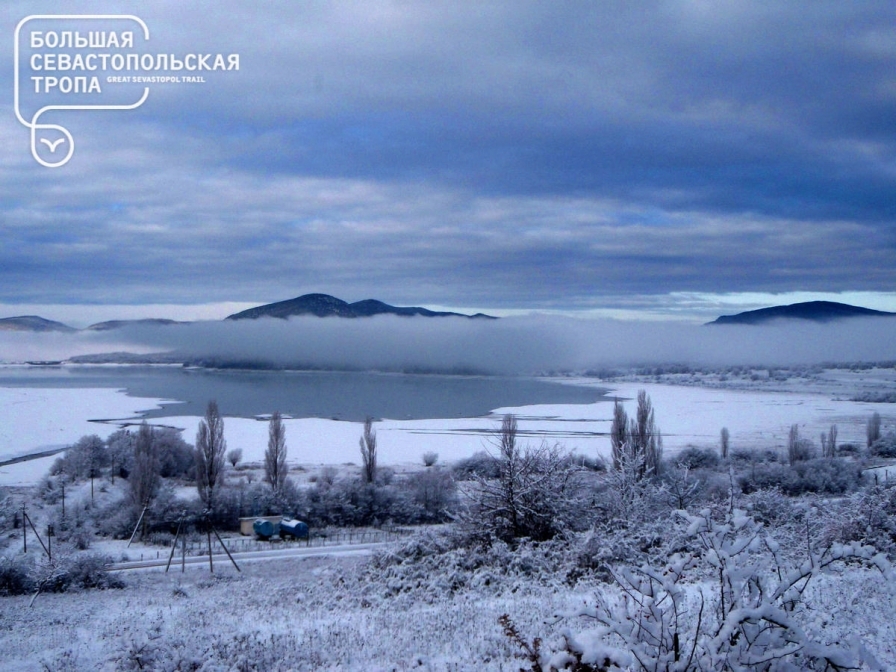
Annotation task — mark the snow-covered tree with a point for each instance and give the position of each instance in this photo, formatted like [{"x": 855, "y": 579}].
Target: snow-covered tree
[
  {"x": 534, "y": 495},
  {"x": 639, "y": 436},
  {"x": 618, "y": 433},
  {"x": 143, "y": 480},
  {"x": 275, "y": 469},
  {"x": 872, "y": 430},
  {"x": 210, "y": 449},
  {"x": 368, "y": 452}
]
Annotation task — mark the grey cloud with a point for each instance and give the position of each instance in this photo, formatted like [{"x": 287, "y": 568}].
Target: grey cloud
[{"x": 502, "y": 155}]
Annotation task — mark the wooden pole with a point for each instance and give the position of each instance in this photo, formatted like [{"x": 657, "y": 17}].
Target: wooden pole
[
  {"x": 208, "y": 532},
  {"x": 36, "y": 534},
  {"x": 173, "y": 546},
  {"x": 136, "y": 527},
  {"x": 226, "y": 551}
]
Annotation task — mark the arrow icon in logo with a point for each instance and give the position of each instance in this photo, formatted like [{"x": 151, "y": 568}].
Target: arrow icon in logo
[{"x": 52, "y": 145}]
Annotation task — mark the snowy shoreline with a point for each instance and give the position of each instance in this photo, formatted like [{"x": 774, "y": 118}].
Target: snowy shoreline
[{"x": 34, "y": 420}]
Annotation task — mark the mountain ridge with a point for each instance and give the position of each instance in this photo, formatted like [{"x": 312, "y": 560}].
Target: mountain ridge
[
  {"x": 324, "y": 305},
  {"x": 33, "y": 323},
  {"x": 813, "y": 311}
]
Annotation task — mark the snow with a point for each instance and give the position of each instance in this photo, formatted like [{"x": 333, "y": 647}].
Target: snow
[
  {"x": 314, "y": 609},
  {"x": 32, "y": 420}
]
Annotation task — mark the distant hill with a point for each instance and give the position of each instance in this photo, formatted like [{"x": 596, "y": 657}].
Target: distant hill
[
  {"x": 118, "y": 324},
  {"x": 815, "y": 311},
  {"x": 324, "y": 305},
  {"x": 32, "y": 323}
]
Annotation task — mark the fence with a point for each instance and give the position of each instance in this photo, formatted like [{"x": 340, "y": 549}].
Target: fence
[{"x": 246, "y": 544}]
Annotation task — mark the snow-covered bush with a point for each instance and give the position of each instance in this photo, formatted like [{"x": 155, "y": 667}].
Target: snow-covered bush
[
  {"x": 696, "y": 458},
  {"x": 432, "y": 565},
  {"x": 68, "y": 572},
  {"x": 116, "y": 518},
  {"x": 745, "y": 612},
  {"x": 885, "y": 446},
  {"x": 746, "y": 456},
  {"x": 82, "y": 571},
  {"x": 434, "y": 495},
  {"x": 536, "y": 494},
  {"x": 828, "y": 476},
  {"x": 16, "y": 576},
  {"x": 867, "y": 517},
  {"x": 479, "y": 464},
  {"x": 82, "y": 459},
  {"x": 615, "y": 542}
]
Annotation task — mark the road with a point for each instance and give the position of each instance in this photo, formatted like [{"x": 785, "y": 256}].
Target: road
[{"x": 221, "y": 559}]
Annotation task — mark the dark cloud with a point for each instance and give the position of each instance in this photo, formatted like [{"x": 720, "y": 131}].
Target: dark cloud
[{"x": 500, "y": 155}]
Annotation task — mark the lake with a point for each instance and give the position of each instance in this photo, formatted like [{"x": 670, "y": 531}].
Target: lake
[{"x": 307, "y": 394}]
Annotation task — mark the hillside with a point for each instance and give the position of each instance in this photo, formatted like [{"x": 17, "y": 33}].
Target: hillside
[
  {"x": 324, "y": 305},
  {"x": 32, "y": 323},
  {"x": 815, "y": 311},
  {"x": 119, "y": 324}
]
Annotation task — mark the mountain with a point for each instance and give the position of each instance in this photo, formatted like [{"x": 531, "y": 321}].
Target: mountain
[
  {"x": 815, "y": 311},
  {"x": 32, "y": 323},
  {"x": 118, "y": 324},
  {"x": 324, "y": 305}
]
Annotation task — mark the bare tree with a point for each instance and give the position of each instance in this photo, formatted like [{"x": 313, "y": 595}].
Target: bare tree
[
  {"x": 724, "y": 441},
  {"x": 873, "y": 428},
  {"x": 210, "y": 448},
  {"x": 143, "y": 480},
  {"x": 368, "y": 451},
  {"x": 275, "y": 469}
]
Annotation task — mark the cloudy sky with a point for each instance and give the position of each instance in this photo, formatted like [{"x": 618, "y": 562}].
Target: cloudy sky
[{"x": 651, "y": 159}]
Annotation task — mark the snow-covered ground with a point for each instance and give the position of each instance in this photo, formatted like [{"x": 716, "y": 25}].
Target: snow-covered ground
[
  {"x": 32, "y": 420},
  {"x": 331, "y": 613}
]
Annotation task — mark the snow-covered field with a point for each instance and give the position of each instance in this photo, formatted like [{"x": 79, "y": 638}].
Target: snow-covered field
[
  {"x": 335, "y": 614},
  {"x": 32, "y": 420}
]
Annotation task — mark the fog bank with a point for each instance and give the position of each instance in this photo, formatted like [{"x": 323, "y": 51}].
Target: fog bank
[{"x": 513, "y": 345}]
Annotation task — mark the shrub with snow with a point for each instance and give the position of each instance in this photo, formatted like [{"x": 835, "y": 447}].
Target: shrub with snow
[{"x": 745, "y": 611}]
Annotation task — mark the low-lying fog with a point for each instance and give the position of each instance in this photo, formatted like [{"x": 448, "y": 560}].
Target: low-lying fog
[{"x": 513, "y": 345}]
